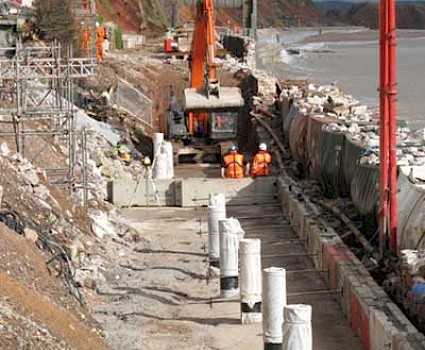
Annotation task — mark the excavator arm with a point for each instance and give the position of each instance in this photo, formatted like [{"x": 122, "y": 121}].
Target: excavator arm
[{"x": 205, "y": 94}]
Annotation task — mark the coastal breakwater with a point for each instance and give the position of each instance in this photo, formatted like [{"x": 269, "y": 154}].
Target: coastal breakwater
[{"x": 334, "y": 140}]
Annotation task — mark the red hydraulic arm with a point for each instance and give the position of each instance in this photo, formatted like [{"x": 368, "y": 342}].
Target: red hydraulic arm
[
  {"x": 388, "y": 126},
  {"x": 203, "y": 67}
]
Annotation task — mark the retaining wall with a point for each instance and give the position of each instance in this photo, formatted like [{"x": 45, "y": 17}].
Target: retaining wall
[
  {"x": 377, "y": 321},
  {"x": 192, "y": 192}
]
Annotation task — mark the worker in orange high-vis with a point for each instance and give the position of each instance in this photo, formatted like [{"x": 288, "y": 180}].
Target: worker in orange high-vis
[
  {"x": 100, "y": 30},
  {"x": 85, "y": 39},
  {"x": 233, "y": 164},
  {"x": 261, "y": 162}
]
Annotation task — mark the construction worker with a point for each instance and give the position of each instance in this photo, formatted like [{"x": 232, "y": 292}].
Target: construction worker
[
  {"x": 86, "y": 39},
  {"x": 261, "y": 162},
  {"x": 100, "y": 30},
  {"x": 233, "y": 164},
  {"x": 123, "y": 153},
  {"x": 147, "y": 167}
]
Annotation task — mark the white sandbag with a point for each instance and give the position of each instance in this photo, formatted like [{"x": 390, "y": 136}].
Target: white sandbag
[{"x": 297, "y": 333}]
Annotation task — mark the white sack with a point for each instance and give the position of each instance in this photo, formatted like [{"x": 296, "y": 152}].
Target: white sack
[{"x": 297, "y": 334}]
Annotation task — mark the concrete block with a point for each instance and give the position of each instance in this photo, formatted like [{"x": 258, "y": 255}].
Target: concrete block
[
  {"x": 146, "y": 192},
  {"x": 408, "y": 341},
  {"x": 314, "y": 245},
  {"x": 400, "y": 319},
  {"x": 292, "y": 204},
  {"x": 195, "y": 191},
  {"x": 347, "y": 282},
  {"x": 360, "y": 314},
  {"x": 382, "y": 330}
]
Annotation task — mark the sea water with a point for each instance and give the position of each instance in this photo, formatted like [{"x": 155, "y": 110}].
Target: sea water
[{"x": 349, "y": 57}]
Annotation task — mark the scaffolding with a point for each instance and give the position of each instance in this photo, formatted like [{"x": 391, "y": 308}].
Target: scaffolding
[{"x": 36, "y": 94}]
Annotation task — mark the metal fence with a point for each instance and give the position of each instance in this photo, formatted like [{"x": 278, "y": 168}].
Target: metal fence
[{"x": 132, "y": 101}]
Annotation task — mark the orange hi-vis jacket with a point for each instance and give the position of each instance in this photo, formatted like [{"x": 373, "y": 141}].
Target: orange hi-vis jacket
[
  {"x": 233, "y": 164},
  {"x": 261, "y": 164}
]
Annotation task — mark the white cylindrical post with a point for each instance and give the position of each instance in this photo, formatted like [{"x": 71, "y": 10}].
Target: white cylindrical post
[
  {"x": 215, "y": 214},
  {"x": 218, "y": 200},
  {"x": 168, "y": 148},
  {"x": 157, "y": 140},
  {"x": 162, "y": 166},
  {"x": 230, "y": 232},
  {"x": 250, "y": 280},
  {"x": 297, "y": 333},
  {"x": 274, "y": 299}
]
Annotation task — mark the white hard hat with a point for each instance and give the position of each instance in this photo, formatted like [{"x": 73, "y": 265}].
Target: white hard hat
[
  {"x": 262, "y": 147},
  {"x": 97, "y": 24}
]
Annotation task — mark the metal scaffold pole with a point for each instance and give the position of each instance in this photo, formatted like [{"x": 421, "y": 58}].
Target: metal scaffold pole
[
  {"x": 42, "y": 94},
  {"x": 392, "y": 102},
  {"x": 388, "y": 127}
]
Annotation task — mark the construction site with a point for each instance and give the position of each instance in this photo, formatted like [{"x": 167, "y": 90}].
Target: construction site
[{"x": 134, "y": 213}]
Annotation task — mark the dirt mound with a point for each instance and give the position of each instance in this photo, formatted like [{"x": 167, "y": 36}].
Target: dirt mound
[{"x": 36, "y": 311}]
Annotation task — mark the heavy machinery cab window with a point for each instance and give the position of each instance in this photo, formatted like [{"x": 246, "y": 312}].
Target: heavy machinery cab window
[{"x": 223, "y": 122}]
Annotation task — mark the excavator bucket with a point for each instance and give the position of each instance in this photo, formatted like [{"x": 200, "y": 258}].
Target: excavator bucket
[{"x": 196, "y": 100}]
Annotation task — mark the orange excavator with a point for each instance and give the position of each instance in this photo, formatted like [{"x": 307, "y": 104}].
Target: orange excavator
[{"x": 211, "y": 109}]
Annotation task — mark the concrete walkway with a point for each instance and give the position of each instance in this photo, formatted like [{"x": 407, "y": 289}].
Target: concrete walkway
[{"x": 157, "y": 297}]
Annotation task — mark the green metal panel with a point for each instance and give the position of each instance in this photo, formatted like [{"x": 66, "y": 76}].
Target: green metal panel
[
  {"x": 365, "y": 192},
  {"x": 331, "y": 146},
  {"x": 352, "y": 154}
]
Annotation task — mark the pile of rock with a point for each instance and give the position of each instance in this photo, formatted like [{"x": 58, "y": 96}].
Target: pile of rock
[
  {"x": 356, "y": 120},
  {"x": 412, "y": 283}
]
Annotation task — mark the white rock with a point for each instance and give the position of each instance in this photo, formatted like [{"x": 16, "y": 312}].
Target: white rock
[
  {"x": 30, "y": 234},
  {"x": 101, "y": 225},
  {"x": 41, "y": 191},
  {"x": 4, "y": 150},
  {"x": 31, "y": 177}
]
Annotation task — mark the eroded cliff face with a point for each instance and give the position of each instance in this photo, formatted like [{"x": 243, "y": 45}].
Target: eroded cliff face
[
  {"x": 409, "y": 16},
  {"x": 153, "y": 15}
]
